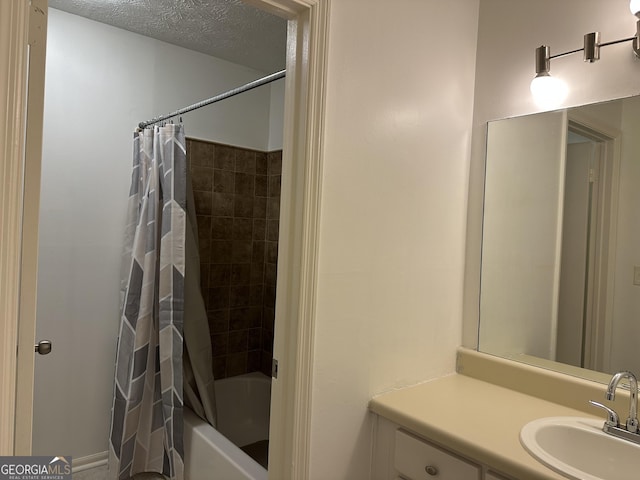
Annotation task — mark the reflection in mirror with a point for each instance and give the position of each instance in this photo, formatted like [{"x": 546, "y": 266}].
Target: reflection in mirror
[{"x": 560, "y": 281}]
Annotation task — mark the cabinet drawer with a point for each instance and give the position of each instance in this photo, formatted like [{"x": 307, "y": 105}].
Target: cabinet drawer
[{"x": 418, "y": 460}]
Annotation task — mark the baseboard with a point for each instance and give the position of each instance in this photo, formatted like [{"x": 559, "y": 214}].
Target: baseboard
[{"x": 90, "y": 461}]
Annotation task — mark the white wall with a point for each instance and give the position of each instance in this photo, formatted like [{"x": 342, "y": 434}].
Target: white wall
[
  {"x": 100, "y": 82},
  {"x": 508, "y": 34},
  {"x": 396, "y": 158}
]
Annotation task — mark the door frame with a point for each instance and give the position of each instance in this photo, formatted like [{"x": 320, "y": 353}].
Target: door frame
[
  {"x": 307, "y": 48},
  {"x": 297, "y": 265},
  {"x": 13, "y": 46},
  {"x": 23, "y": 26},
  {"x": 599, "y": 325}
]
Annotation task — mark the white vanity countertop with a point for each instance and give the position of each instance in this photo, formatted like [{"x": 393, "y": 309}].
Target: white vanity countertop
[{"x": 477, "y": 419}]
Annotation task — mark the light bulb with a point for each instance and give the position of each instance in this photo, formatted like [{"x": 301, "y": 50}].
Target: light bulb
[
  {"x": 548, "y": 92},
  {"x": 634, "y": 6}
]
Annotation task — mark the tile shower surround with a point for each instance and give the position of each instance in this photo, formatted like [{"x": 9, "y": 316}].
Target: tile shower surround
[{"x": 237, "y": 197}]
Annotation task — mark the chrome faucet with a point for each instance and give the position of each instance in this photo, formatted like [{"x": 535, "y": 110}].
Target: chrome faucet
[
  {"x": 632, "y": 420},
  {"x": 612, "y": 425}
]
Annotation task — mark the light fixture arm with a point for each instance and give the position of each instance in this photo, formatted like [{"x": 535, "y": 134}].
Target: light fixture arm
[
  {"x": 591, "y": 49},
  {"x": 549, "y": 92},
  {"x": 565, "y": 54}
]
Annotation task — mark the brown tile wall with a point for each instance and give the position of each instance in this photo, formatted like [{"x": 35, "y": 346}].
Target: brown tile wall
[{"x": 237, "y": 197}]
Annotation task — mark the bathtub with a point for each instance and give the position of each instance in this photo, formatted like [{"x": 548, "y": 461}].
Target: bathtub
[{"x": 243, "y": 404}]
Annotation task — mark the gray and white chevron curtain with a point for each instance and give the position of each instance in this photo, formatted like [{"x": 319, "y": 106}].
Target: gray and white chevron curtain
[{"x": 146, "y": 423}]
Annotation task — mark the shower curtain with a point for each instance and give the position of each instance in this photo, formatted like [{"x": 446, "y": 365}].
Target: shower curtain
[{"x": 146, "y": 423}]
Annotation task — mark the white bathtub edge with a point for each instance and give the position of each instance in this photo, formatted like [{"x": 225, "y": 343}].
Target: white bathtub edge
[{"x": 225, "y": 455}]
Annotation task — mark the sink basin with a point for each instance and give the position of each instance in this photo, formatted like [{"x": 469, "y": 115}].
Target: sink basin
[{"x": 577, "y": 448}]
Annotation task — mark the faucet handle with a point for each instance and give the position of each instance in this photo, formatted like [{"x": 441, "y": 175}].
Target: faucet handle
[{"x": 612, "y": 416}]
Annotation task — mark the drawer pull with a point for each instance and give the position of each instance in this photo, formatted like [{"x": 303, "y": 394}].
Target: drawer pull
[{"x": 431, "y": 470}]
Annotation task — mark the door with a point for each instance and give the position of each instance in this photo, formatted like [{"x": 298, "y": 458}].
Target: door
[
  {"x": 590, "y": 224},
  {"x": 580, "y": 208}
]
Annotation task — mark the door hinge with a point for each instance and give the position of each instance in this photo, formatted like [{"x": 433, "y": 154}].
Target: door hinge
[
  {"x": 593, "y": 177},
  {"x": 274, "y": 368}
]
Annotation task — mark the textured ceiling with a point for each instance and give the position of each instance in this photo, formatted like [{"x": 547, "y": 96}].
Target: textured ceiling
[{"x": 227, "y": 29}]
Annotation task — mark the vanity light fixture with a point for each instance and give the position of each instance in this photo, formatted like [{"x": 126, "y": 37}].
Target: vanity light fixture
[{"x": 549, "y": 92}]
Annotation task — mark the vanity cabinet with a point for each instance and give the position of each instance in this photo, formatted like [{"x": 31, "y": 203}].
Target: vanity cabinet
[
  {"x": 471, "y": 422},
  {"x": 400, "y": 454},
  {"x": 416, "y": 459}
]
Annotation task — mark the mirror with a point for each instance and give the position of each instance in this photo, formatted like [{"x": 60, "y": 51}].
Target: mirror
[{"x": 560, "y": 277}]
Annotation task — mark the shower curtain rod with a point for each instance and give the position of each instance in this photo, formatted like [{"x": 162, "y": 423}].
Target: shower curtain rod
[{"x": 244, "y": 88}]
